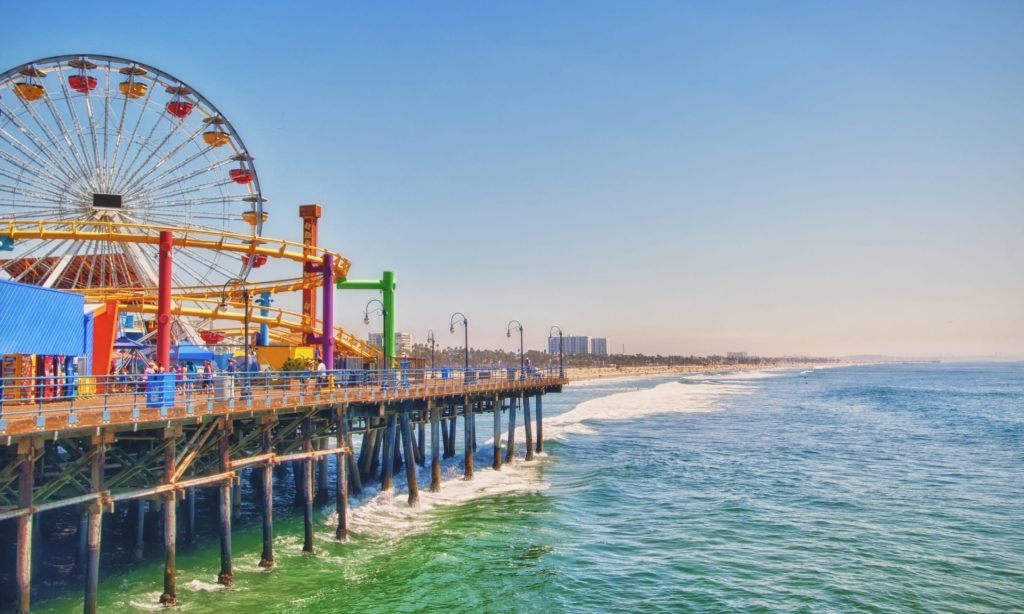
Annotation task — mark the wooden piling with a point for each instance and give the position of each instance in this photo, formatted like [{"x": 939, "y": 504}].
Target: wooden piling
[
  {"x": 341, "y": 490},
  {"x": 267, "y": 447},
  {"x": 444, "y": 436},
  {"x": 496, "y": 465},
  {"x": 307, "y": 485},
  {"x": 435, "y": 451},
  {"x": 467, "y": 418},
  {"x": 421, "y": 452},
  {"x": 322, "y": 493},
  {"x": 380, "y": 436},
  {"x": 23, "y": 562},
  {"x": 94, "y": 511},
  {"x": 389, "y": 455},
  {"x": 471, "y": 417},
  {"x": 528, "y": 427},
  {"x": 510, "y": 453},
  {"x": 452, "y": 423},
  {"x": 366, "y": 449},
  {"x": 355, "y": 482},
  {"x": 410, "y": 466},
  {"x": 170, "y": 594},
  {"x": 540, "y": 424},
  {"x": 226, "y": 575}
]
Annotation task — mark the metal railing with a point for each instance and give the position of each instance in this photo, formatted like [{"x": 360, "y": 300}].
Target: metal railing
[{"x": 71, "y": 401}]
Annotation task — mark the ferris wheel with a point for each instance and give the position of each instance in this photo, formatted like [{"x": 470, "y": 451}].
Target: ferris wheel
[{"x": 100, "y": 139}]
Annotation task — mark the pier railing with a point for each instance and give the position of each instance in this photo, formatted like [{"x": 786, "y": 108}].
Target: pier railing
[{"x": 52, "y": 403}]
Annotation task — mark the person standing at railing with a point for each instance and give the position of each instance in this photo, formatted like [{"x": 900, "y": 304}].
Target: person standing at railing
[
  {"x": 208, "y": 372},
  {"x": 321, "y": 373}
]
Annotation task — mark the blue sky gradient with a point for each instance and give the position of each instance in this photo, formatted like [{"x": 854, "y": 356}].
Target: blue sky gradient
[{"x": 798, "y": 177}]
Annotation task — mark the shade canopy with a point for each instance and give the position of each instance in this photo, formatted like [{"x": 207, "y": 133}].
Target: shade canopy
[{"x": 187, "y": 351}]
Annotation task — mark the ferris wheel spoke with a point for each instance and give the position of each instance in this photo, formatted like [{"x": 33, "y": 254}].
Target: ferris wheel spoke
[
  {"x": 58, "y": 149},
  {"x": 175, "y": 128},
  {"x": 92, "y": 126},
  {"x": 135, "y": 180},
  {"x": 10, "y": 189},
  {"x": 51, "y": 150},
  {"x": 79, "y": 131},
  {"x": 205, "y": 264},
  {"x": 177, "y": 203},
  {"x": 159, "y": 191},
  {"x": 120, "y": 129},
  {"x": 83, "y": 165},
  {"x": 57, "y": 272},
  {"x": 28, "y": 173},
  {"x": 39, "y": 145},
  {"x": 39, "y": 261},
  {"x": 42, "y": 186}
]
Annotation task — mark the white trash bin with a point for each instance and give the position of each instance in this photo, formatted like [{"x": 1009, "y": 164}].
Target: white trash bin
[{"x": 223, "y": 387}]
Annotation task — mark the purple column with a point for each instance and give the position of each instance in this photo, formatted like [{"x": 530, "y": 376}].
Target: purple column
[{"x": 327, "y": 342}]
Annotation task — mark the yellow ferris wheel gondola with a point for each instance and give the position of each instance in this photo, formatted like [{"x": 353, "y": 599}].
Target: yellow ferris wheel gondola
[
  {"x": 215, "y": 136},
  {"x": 131, "y": 88},
  {"x": 30, "y": 89}
]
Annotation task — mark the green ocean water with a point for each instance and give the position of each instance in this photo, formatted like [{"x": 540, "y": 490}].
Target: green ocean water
[{"x": 876, "y": 488}]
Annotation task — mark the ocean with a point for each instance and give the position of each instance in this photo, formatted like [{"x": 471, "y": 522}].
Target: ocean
[{"x": 865, "y": 488}]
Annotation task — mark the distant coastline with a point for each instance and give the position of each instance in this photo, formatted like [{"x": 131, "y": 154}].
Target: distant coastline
[{"x": 581, "y": 374}]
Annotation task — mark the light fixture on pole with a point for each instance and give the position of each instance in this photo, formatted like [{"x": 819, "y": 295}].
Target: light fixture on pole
[
  {"x": 465, "y": 326},
  {"x": 432, "y": 342},
  {"x": 561, "y": 353},
  {"x": 508, "y": 333},
  {"x": 384, "y": 315}
]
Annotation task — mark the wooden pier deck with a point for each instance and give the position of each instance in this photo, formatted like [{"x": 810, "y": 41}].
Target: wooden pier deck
[{"x": 93, "y": 453}]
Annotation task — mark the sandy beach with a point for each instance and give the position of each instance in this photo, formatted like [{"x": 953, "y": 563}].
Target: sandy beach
[{"x": 579, "y": 374}]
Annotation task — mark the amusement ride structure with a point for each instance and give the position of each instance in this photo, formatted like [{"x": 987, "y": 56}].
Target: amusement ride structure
[{"x": 106, "y": 164}]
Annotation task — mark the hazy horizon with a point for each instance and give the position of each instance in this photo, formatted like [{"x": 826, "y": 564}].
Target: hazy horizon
[{"x": 681, "y": 178}]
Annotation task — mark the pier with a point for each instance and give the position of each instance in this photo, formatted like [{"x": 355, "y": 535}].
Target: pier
[{"x": 157, "y": 439}]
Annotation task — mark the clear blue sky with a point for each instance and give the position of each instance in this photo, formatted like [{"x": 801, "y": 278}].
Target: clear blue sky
[{"x": 680, "y": 177}]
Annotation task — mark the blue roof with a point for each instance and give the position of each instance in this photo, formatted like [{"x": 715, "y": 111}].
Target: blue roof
[
  {"x": 36, "y": 320},
  {"x": 187, "y": 351}
]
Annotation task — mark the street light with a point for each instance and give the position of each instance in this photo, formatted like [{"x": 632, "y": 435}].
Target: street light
[
  {"x": 430, "y": 339},
  {"x": 465, "y": 326},
  {"x": 245, "y": 329},
  {"x": 384, "y": 315},
  {"x": 508, "y": 333},
  {"x": 561, "y": 353}
]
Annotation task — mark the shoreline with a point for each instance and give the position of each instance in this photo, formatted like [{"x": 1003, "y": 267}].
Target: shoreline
[{"x": 584, "y": 374}]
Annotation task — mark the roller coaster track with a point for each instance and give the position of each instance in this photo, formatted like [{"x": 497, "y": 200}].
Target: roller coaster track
[
  {"x": 279, "y": 320},
  {"x": 209, "y": 302},
  {"x": 183, "y": 238}
]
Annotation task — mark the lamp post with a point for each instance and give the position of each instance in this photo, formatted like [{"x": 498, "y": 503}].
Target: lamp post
[
  {"x": 561, "y": 353},
  {"x": 384, "y": 314},
  {"x": 433, "y": 342},
  {"x": 465, "y": 327},
  {"x": 508, "y": 333},
  {"x": 245, "y": 319}
]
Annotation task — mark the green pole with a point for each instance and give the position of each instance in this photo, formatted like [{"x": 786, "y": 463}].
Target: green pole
[{"x": 388, "y": 287}]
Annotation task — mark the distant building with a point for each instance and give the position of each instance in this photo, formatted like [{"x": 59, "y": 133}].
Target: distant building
[
  {"x": 576, "y": 344},
  {"x": 403, "y": 342},
  {"x": 599, "y": 346},
  {"x": 736, "y": 355}
]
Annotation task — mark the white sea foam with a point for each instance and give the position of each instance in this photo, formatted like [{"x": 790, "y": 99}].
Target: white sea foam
[{"x": 389, "y": 514}]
